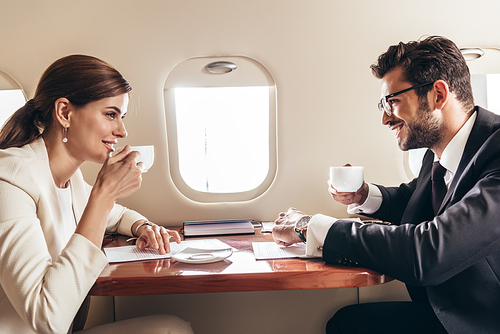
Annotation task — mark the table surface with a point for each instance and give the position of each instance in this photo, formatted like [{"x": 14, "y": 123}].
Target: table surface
[{"x": 239, "y": 272}]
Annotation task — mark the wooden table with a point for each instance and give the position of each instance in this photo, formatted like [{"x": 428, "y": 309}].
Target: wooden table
[{"x": 240, "y": 272}]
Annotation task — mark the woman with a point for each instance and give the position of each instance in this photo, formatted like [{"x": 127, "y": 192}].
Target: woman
[{"x": 51, "y": 222}]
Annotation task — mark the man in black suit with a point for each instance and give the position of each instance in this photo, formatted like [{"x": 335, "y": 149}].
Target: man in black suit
[{"x": 446, "y": 250}]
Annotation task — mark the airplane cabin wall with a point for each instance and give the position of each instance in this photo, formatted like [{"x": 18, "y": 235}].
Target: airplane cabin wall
[{"x": 319, "y": 54}]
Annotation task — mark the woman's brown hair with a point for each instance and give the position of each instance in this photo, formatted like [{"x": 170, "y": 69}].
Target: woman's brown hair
[{"x": 79, "y": 78}]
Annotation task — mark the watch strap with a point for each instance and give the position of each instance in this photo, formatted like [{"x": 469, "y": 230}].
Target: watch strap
[
  {"x": 301, "y": 226},
  {"x": 301, "y": 235}
]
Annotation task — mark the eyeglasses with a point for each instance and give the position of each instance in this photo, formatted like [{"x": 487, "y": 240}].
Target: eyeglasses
[{"x": 384, "y": 104}]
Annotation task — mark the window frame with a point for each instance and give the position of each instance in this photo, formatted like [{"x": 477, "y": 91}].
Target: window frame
[
  {"x": 178, "y": 78},
  {"x": 7, "y": 82}
]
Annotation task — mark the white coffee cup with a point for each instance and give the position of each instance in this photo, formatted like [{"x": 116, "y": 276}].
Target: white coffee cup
[
  {"x": 347, "y": 178},
  {"x": 146, "y": 155}
]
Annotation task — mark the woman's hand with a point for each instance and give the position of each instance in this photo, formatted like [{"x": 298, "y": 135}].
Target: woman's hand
[
  {"x": 119, "y": 176},
  {"x": 156, "y": 237}
]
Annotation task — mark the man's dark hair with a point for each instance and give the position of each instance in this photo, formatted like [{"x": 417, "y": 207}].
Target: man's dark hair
[{"x": 427, "y": 60}]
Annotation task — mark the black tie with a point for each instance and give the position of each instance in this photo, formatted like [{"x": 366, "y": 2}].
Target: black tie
[{"x": 438, "y": 185}]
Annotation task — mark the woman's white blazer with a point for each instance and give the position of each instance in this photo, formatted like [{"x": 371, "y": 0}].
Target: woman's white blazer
[{"x": 42, "y": 281}]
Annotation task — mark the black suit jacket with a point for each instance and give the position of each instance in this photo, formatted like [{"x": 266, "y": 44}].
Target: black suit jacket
[{"x": 453, "y": 257}]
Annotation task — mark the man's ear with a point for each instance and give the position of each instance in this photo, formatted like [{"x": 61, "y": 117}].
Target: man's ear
[
  {"x": 63, "y": 109},
  {"x": 442, "y": 94}
]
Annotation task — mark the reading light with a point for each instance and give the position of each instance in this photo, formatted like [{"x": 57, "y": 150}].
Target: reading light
[
  {"x": 472, "y": 53},
  {"x": 221, "y": 67}
]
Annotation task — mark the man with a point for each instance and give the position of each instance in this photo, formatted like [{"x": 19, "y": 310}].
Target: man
[{"x": 447, "y": 252}]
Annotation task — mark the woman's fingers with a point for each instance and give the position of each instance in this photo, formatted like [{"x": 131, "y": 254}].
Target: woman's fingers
[
  {"x": 157, "y": 237},
  {"x": 119, "y": 176}
]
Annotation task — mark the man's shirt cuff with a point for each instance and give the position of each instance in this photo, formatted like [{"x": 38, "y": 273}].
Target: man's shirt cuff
[
  {"x": 372, "y": 203},
  {"x": 316, "y": 234}
]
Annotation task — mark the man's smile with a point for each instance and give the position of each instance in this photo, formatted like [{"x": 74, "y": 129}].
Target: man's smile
[{"x": 396, "y": 126}]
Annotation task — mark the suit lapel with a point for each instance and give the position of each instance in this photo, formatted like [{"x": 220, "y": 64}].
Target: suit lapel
[
  {"x": 483, "y": 128},
  {"x": 48, "y": 206}
]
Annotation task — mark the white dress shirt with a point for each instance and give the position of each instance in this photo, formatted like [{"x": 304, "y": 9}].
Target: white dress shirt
[
  {"x": 68, "y": 224},
  {"x": 320, "y": 225}
]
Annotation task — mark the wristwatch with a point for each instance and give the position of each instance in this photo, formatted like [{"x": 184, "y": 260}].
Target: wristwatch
[{"x": 301, "y": 227}]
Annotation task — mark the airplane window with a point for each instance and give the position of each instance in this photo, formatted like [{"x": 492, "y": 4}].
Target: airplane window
[
  {"x": 221, "y": 127},
  {"x": 485, "y": 88},
  {"x": 11, "y": 97},
  {"x": 220, "y": 131}
]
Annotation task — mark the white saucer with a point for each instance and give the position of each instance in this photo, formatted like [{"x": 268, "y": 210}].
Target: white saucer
[{"x": 200, "y": 256}]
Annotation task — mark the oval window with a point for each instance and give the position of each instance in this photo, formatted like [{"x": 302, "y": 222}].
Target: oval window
[{"x": 221, "y": 127}]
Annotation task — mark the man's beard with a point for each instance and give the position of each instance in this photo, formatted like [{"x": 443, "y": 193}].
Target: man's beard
[{"x": 425, "y": 131}]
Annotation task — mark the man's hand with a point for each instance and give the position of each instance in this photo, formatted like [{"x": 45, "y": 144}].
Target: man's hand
[
  {"x": 283, "y": 231},
  {"x": 358, "y": 197},
  {"x": 347, "y": 198}
]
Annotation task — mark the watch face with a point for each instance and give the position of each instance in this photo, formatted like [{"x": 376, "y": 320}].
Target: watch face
[{"x": 303, "y": 222}]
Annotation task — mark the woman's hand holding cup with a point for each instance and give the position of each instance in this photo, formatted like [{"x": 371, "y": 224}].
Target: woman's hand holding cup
[{"x": 119, "y": 176}]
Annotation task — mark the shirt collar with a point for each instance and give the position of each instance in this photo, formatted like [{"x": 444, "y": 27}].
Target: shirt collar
[{"x": 454, "y": 150}]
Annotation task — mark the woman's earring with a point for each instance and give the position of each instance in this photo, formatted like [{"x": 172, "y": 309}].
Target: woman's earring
[{"x": 65, "y": 132}]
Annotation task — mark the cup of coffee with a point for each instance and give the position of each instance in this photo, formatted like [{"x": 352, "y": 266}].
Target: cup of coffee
[
  {"x": 347, "y": 179},
  {"x": 146, "y": 155}
]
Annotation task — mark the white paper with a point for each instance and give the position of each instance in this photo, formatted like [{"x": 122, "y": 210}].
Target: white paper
[
  {"x": 133, "y": 253},
  {"x": 267, "y": 227},
  {"x": 271, "y": 250}
]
